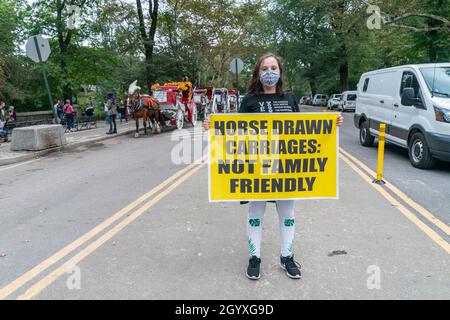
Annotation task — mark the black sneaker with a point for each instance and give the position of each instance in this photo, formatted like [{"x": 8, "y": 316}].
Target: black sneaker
[
  {"x": 292, "y": 267},
  {"x": 253, "y": 268}
]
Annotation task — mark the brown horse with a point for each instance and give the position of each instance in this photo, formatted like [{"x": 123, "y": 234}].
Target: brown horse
[{"x": 147, "y": 108}]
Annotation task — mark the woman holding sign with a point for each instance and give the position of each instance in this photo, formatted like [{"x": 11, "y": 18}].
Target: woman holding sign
[{"x": 266, "y": 94}]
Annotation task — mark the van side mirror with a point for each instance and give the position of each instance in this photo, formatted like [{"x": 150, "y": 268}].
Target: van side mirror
[{"x": 408, "y": 98}]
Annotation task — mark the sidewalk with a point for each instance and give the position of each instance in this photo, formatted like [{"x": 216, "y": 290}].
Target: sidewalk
[{"x": 74, "y": 139}]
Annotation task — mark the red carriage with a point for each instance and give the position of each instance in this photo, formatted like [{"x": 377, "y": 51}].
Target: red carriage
[
  {"x": 201, "y": 98},
  {"x": 176, "y": 103},
  {"x": 220, "y": 101},
  {"x": 233, "y": 97}
]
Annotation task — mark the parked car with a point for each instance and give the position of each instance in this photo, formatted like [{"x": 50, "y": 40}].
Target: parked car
[
  {"x": 334, "y": 101},
  {"x": 319, "y": 100},
  {"x": 308, "y": 101},
  {"x": 304, "y": 99},
  {"x": 414, "y": 103},
  {"x": 348, "y": 101}
]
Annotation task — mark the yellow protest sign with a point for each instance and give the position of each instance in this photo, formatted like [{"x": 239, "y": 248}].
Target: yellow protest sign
[{"x": 273, "y": 156}]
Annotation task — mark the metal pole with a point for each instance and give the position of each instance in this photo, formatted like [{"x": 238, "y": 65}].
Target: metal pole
[
  {"x": 381, "y": 143},
  {"x": 44, "y": 74},
  {"x": 237, "y": 84}
]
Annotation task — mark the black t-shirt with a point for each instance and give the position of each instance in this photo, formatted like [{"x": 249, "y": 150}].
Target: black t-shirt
[{"x": 269, "y": 103}]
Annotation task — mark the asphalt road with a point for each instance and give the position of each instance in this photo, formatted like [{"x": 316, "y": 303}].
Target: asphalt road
[
  {"x": 56, "y": 213},
  {"x": 430, "y": 188}
]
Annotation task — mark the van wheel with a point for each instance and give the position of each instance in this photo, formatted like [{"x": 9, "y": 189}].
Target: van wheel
[
  {"x": 365, "y": 138},
  {"x": 419, "y": 153}
]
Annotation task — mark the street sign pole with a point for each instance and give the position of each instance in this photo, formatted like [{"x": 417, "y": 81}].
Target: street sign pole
[
  {"x": 237, "y": 84},
  {"x": 237, "y": 74},
  {"x": 236, "y": 66},
  {"x": 44, "y": 74}
]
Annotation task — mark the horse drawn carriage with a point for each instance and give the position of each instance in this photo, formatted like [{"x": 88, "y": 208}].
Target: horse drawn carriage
[
  {"x": 220, "y": 101},
  {"x": 176, "y": 104},
  {"x": 202, "y": 97},
  {"x": 233, "y": 97}
]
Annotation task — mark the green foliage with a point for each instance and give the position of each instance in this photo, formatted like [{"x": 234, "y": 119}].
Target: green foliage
[{"x": 325, "y": 45}]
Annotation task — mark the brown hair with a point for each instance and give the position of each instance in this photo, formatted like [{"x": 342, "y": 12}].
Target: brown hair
[{"x": 255, "y": 86}]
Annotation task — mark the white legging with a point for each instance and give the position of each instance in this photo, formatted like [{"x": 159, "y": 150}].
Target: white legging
[{"x": 285, "y": 209}]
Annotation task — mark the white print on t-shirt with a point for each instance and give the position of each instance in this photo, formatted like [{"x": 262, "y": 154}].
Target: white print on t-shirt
[
  {"x": 275, "y": 106},
  {"x": 261, "y": 106}
]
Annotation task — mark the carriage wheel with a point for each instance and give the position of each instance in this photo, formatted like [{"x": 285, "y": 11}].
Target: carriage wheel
[
  {"x": 180, "y": 119},
  {"x": 194, "y": 116}
]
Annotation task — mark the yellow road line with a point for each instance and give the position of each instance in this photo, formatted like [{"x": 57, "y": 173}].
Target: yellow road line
[
  {"x": 53, "y": 276},
  {"x": 22, "y": 280},
  {"x": 421, "y": 210},
  {"x": 19, "y": 164},
  {"x": 407, "y": 213}
]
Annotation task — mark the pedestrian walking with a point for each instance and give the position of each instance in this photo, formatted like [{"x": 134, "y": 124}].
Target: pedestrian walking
[
  {"x": 266, "y": 94},
  {"x": 69, "y": 114}
]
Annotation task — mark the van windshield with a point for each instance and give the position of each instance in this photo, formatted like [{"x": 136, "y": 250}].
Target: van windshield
[
  {"x": 351, "y": 97},
  {"x": 438, "y": 80}
]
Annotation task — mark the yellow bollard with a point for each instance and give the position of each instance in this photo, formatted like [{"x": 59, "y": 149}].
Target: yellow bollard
[{"x": 381, "y": 142}]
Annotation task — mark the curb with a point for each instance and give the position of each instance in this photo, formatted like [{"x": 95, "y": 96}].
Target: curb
[{"x": 38, "y": 154}]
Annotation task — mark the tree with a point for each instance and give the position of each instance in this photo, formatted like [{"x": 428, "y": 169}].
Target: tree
[
  {"x": 51, "y": 18},
  {"x": 148, "y": 35},
  {"x": 427, "y": 22}
]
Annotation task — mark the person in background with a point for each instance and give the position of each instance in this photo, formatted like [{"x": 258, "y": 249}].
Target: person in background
[
  {"x": 12, "y": 114},
  {"x": 59, "y": 108},
  {"x": 112, "y": 113},
  {"x": 3, "y": 118},
  {"x": 107, "y": 118},
  {"x": 2, "y": 111},
  {"x": 123, "y": 111},
  {"x": 90, "y": 110},
  {"x": 69, "y": 113}
]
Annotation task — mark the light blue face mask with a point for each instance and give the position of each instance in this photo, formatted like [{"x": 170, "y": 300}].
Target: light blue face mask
[{"x": 269, "y": 78}]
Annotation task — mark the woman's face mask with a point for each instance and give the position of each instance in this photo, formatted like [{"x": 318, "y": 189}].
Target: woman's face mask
[{"x": 269, "y": 78}]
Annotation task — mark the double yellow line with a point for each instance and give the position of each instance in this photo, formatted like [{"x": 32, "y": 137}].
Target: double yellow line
[
  {"x": 171, "y": 183},
  {"x": 368, "y": 175}
]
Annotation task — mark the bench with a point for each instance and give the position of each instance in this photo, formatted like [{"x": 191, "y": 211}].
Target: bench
[
  {"x": 79, "y": 123},
  {"x": 85, "y": 122}
]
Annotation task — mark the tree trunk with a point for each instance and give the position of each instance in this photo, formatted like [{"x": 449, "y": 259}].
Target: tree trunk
[
  {"x": 148, "y": 39},
  {"x": 313, "y": 86},
  {"x": 343, "y": 75},
  {"x": 343, "y": 69}
]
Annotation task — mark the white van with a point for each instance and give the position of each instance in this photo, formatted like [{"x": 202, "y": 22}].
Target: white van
[
  {"x": 348, "y": 101},
  {"x": 414, "y": 103},
  {"x": 320, "y": 100}
]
